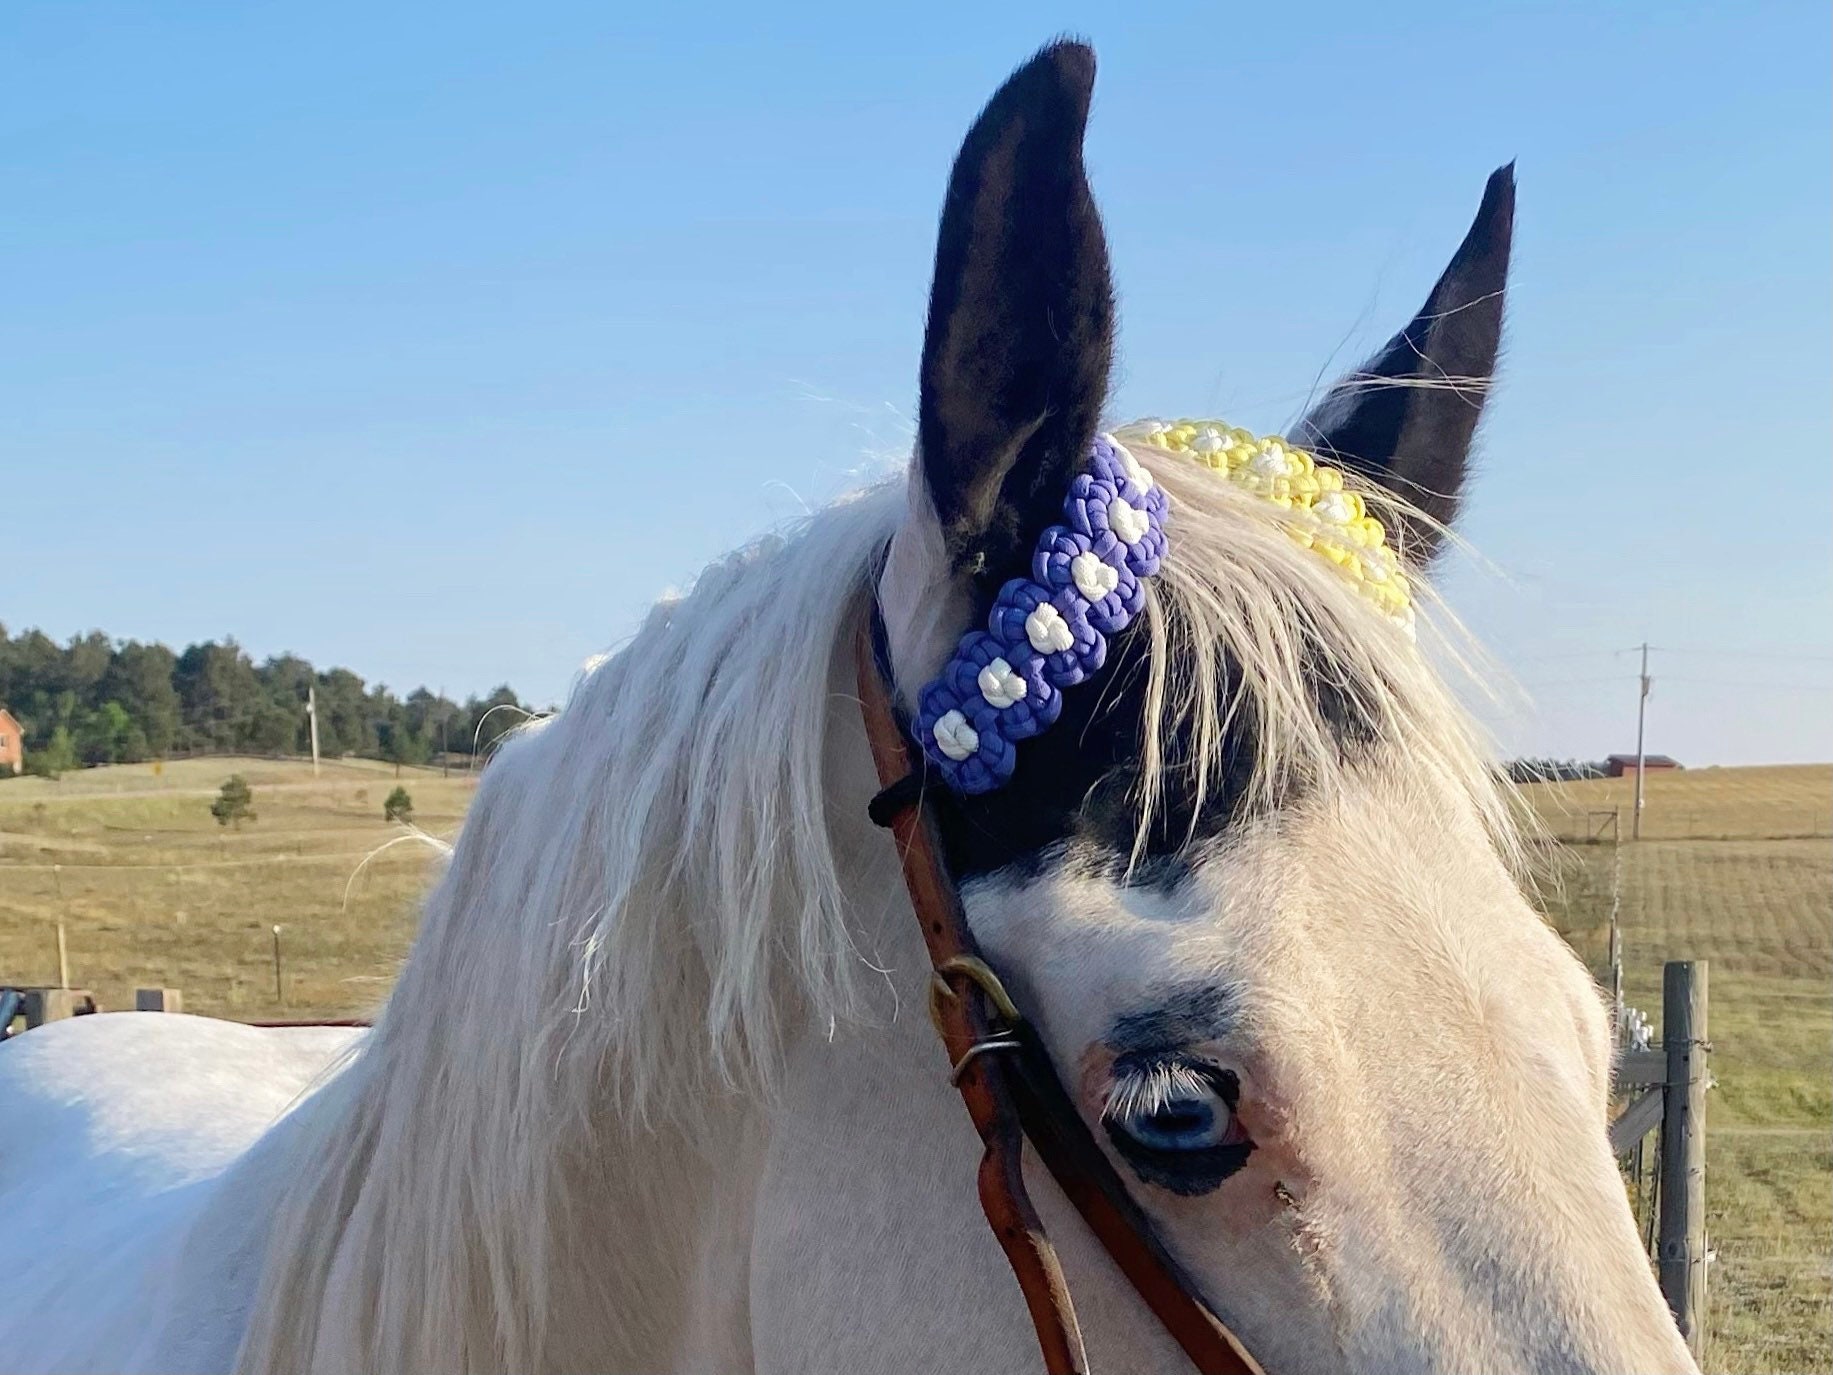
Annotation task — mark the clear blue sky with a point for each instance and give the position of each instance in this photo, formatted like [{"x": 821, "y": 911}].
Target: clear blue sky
[{"x": 435, "y": 340}]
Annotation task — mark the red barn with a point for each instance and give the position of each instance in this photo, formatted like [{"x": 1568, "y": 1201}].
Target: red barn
[
  {"x": 12, "y": 743},
  {"x": 1624, "y": 765}
]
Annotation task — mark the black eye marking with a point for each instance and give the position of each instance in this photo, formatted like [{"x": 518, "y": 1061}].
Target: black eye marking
[
  {"x": 1188, "y": 1174},
  {"x": 1173, "y": 1122},
  {"x": 1186, "y": 1016},
  {"x": 1170, "y": 1150}
]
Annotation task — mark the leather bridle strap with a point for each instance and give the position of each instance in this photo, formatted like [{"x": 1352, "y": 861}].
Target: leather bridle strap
[{"x": 1012, "y": 1092}]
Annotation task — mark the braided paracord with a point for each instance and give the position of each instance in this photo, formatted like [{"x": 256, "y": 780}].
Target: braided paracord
[
  {"x": 1325, "y": 517},
  {"x": 1049, "y": 631}
]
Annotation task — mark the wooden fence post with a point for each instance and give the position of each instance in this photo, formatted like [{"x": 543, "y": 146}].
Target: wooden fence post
[
  {"x": 158, "y": 1000},
  {"x": 54, "y": 1004},
  {"x": 1682, "y": 1251}
]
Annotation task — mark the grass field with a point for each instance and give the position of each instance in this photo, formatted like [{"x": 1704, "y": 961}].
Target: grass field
[
  {"x": 1734, "y": 869},
  {"x": 152, "y": 891},
  {"x": 1779, "y": 802},
  {"x": 1757, "y": 903}
]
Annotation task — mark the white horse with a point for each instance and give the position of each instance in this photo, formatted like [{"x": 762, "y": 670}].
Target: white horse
[{"x": 655, "y": 1090}]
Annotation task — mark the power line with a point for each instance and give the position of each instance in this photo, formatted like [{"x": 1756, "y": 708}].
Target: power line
[
  {"x": 1571, "y": 654},
  {"x": 1751, "y": 686},
  {"x": 1546, "y": 685},
  {"x": 1746, "y": 654},
  {"x": 1690, "y": 650},
  {"x": 1551, "y": 684},
  {"x": 1580, "y": 682}
]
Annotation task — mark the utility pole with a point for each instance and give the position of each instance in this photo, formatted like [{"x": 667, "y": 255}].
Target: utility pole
[
  {"x": 311, "y": 711},
  {"x": 1635, "y": 824},
  {"x": 445, "y": 754}
]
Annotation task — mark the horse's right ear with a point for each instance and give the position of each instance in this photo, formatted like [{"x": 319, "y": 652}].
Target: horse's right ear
[
  {"x": 1021, "y": 322},
  {"x": 1406, "y": 418}
]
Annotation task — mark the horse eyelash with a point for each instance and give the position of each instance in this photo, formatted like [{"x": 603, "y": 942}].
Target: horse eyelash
[{"x": 1142, "y": 1089}]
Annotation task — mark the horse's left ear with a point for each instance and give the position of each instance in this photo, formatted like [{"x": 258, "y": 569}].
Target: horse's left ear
[
  {"x": 1407, "y": 418},
  {"x": 1021, "y": 321}
]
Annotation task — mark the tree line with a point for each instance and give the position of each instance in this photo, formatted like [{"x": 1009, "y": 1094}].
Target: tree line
[
  {"x": 100, "y": 701},
  {"x": 1555, "y": 770}
]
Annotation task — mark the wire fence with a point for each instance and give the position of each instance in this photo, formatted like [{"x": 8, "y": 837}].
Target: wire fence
[
  {"x": 1769, "y": 1244},
  {"x": 1593, "y": 827},
  {"x": 346, "y": 918}
]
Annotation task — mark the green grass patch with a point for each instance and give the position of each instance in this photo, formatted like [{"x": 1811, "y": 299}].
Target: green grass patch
[{"x": 1761, "y": 913}]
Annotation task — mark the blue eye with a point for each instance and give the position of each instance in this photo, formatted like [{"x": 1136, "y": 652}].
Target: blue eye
[
  {"x": 1189, "y": 1123},
  {"x": 1172, "y": 1120}
]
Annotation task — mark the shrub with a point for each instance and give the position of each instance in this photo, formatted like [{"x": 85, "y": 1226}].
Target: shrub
[
  {"x": 235, "y": 803},
  {"x": 398, "y": 806},
  {"x": 57, "y": 756}
]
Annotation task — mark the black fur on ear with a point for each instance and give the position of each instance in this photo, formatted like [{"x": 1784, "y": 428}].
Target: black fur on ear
[
  {"x": 1021, "y": 321},
  {"x": 1415, "y": 439}
]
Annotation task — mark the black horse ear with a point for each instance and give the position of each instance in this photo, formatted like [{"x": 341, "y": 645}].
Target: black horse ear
[
  {"x": 1407, "y": 418},
  {"x": 1021, "y": 320}
]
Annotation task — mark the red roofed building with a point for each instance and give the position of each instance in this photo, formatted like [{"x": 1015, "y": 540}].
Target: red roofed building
[{"x": 1624, "y": 765}]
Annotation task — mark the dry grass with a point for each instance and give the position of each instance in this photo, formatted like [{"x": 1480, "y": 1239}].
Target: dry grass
[
  {"x": 152, "y": 891},
  {"x": 1773, "y": 803},
  {"x": 1760, "y": 910}
]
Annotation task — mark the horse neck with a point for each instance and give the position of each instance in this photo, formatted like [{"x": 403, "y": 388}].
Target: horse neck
[
  {"x": 392, "y": 1249},
  {"x": 444, "y": 1206}
]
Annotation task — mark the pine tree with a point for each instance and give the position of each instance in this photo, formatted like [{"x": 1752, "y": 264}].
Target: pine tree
[{"x": 234, "y": 804}]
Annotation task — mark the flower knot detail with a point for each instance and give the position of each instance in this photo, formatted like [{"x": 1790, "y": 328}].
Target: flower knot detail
[
  {"x": 954, "y": 737},
  {"x": 1128, "y": 522},
  {"x": 1049, "y": 631},
  {"x": 1093, "y": 578},
  {"x": 1000, "y": 685},
  {"x": 1324, "y": 515},
  {"x": 1067, "y": 562}
]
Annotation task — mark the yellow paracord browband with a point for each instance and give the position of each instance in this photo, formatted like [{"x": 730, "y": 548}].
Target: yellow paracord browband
[{"x": 1326, "y": 518}]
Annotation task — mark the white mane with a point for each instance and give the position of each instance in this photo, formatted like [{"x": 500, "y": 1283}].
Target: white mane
[
  {"x": 647, "y": 897},
  {"x": 1237, "y": 579}
]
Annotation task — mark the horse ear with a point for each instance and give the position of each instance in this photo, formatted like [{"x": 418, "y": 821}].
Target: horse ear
[
  {"x": 1021, "y": 320},
  {"x": 1407, "y": 418}
]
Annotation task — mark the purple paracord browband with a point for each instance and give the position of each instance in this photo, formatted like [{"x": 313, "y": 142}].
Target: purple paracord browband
[{"x": 1049, "y": 631}]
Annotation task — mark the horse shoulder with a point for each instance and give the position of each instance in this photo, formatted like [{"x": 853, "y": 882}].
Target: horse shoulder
[
  {"x": 115, "y": 1133},
  {"x": 154, "y": 1098}
]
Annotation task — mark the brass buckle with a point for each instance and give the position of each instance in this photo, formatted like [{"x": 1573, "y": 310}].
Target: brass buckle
[{"x": 979, "y": 973}]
